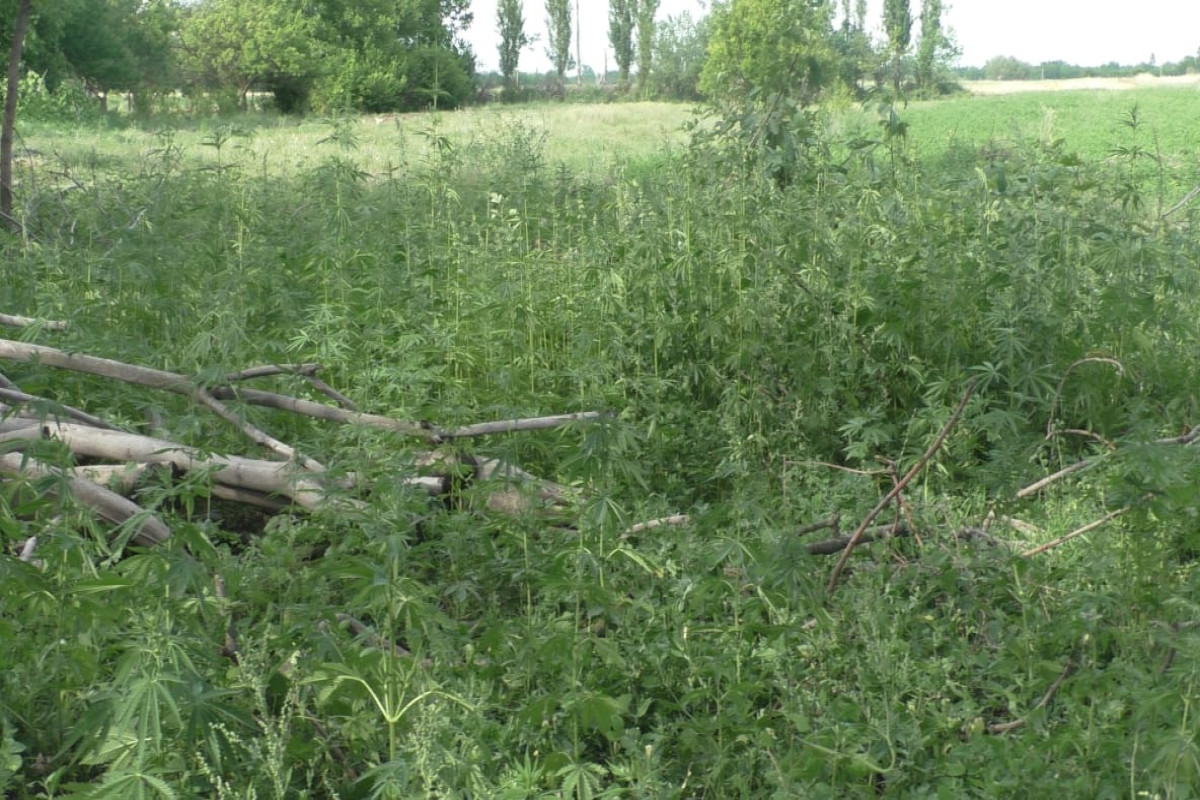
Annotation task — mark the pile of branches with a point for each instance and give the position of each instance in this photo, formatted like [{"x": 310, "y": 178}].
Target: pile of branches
[{"x": 114, "y": 461}]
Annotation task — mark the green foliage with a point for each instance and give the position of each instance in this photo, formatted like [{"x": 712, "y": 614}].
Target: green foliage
[
  {"x": 245, "y": 45},
  {"x": 511, "y": 23},
  {"x": 897, "y": 24},
  {"x": 622, "y": 15},
  {"x": 644, "y": 20},
  {"x": 931, "y": 42},
  {"x": 680, "y": 43},
  {"x": 558, "y": 36},
  {"x": 773, "y": 300},
  {"x": 768, "y": 47}
]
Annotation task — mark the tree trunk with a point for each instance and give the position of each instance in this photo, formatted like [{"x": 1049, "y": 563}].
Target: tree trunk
[{"x": 10, "y": 114}]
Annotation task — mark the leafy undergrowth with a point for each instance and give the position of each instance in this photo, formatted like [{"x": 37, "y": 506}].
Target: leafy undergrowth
[{"x": 763, "y": 313}]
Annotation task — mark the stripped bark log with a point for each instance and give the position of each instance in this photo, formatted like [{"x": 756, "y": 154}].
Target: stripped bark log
[{"x": 106, "y": 504}]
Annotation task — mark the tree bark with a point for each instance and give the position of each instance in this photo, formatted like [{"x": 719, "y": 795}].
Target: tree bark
[{"x": 10, "y": 114}]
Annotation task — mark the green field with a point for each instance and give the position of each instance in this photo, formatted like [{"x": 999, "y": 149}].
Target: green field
[{"x": 777, "y": 319}]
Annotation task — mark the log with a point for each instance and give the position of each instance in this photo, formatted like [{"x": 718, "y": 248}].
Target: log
[{"x": 107, "y": 505}]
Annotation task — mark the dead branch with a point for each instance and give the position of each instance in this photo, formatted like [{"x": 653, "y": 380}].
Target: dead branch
[
  {"x": 820, "y": 525},
  {"x": 17, "y": 396},
  {"x": 878, "y": 533},
  {"x": 28, "y": 322},
  {"x": 1078, "y": 466},
  {"x": 1112, "y": 362},
  {"x": 912, "y": 473},
  {"x": 648, "y": 525},
  {"x": 1004, "y": 727},
  {"x": 1091, "y": 526},
  {"x": 514, "y": 425},
  {"x": 309, "y": 408},
  {"x": 1187, "y": 198},
  {"x": 272, "y": 369},
  {"x": 230, "y": 648},
  {"x": 106, "y": 504},
  {"x": 153, "y": 378}
]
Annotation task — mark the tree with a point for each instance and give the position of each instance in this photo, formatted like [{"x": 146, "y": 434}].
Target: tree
[
  {"x": 558, "y": 35},
  {"x": 246, "y": 44},
  {"x": 931, "y": 42},
  {"x": 679, "y": 46},
  {"x": 20, "y": 25},
  {"x": 646, "y": 9},
  {"x": 511, "y": 20},
  {"x": 620, "y": 35},
  {"x": 897, "y": 23},
  {"x": 769, "y": 46}
]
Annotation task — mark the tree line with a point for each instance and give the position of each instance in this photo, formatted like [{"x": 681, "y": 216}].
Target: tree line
[{"x": 396, "y": 55}]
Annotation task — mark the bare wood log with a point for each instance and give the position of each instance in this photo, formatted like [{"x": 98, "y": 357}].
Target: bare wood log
[
  {"x": 648, "y": 525},
  {"x": 28, "y": 322},
  {"x": 912, "y": 473},
  {"x": 270, "y": 477},
  {"x": 1078, "y": 466},
  {"x": 153, "y": 378},
  {"x": 108, "y": 505}
]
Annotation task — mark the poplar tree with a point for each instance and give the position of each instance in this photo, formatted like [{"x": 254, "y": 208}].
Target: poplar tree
[
  {"x": 511, "y": 21},
  {"x": 931, "y": 42},
  {"x": 558, "y": 34},
  {"x": 646, "y": 9},
  {"x": 620, "y": 35},
  {"x": 897, "y": 23}
]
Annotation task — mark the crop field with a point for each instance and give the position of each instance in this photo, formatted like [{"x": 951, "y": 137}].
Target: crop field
[{"x": 970, "y": 334}]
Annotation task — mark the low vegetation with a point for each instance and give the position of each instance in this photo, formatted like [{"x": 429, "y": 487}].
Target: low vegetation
[{"x": 779, "y": 314}]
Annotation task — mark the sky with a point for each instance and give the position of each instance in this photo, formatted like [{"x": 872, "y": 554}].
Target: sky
[{"x": 1083, "y": 32}]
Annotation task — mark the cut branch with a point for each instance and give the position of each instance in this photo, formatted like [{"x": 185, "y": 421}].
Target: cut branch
[
  {"x": 912, "y": 473},
  {"x": 28, "y": 322},
  {"x": 1091, "y": 526}
]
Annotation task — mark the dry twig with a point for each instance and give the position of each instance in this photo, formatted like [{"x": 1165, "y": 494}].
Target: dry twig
[{"x": 912, "y": 473}]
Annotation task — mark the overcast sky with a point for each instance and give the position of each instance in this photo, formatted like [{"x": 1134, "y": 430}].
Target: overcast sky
[{"x": 1083, "y": 32}]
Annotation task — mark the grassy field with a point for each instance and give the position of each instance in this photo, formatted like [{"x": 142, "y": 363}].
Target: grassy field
[{"x": 779, "y": 318}]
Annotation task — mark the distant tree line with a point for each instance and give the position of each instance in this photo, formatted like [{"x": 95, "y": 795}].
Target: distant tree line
[{"x": 1007, "y": 68}]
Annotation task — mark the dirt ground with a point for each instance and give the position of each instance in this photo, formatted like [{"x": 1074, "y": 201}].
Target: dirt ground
[{"x": 1143, "y": 81}]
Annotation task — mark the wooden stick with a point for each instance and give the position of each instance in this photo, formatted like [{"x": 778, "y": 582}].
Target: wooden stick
[
  {"x": 912, "y": 473},
  {"x": 648, "y": 525},
  {"x": 107, "y": 504},
  {"x": 28, "y": 322},
  {"x": 1091, "y": 526},
  {"x": 1004, "y": 727},
  {"x": 18, "y": 396},
  {"x": 1036, "y": 487},
  {"x": 513, "y": 425},
  {"x": 272, "y": 369}
]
